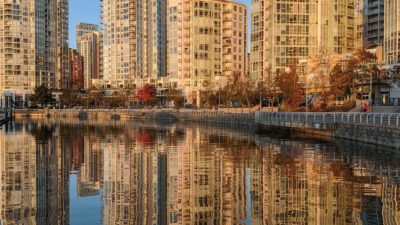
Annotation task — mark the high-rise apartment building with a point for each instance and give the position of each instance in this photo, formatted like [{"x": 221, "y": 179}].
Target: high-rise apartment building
[
  {"x": 81, "y": 30},
  {"x": 392, "y": 32},
  {"x": 359, "y": 23},
  {"x": 287, "y": 32},
  {"x": 33, "y": 37},
  {"x": 207, "y": 43},
  {"x": 63, "y": 73},
  {"x": 90, "y": 50},
  {"x": 76, "y": 69},
  {"x": 373, "y": 22},
  {"x": 134, "y": 46}
]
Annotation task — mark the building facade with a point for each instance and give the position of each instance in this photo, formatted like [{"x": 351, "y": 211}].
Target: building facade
[
  {"x": 287, "y": 32},
  {"x": 134, "y": 46},
  {"x": 33, "y": 38},
  {"x": 63, "y": 73},
  {"x": 373, "y": 22},
  {"x": 81, "y": 30},
  {"x": 76, "y": 68},
  {"x": 207, "y": 44},
  {"x": 90, "y": 50},
  {"x": 392, "y": 32}
]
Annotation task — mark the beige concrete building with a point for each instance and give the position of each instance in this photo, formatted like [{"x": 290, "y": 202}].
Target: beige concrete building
[
  {"x": 134, "y": 42},
  {"x": 90, "y": 50},
  {"x": 392, "y": 32},
  {"x": 63, "y": 73},
  {"x": 286, "y": 32},
  {"x": 33, "y": 41},
  {"x": 207, "y": 41},
  {"x": 81, "y": 30}
]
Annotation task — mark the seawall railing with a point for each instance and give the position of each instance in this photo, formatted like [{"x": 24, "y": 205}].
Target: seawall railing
[{"x": 379, "y": 119}]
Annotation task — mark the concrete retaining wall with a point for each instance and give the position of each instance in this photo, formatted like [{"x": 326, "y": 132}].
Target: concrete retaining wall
[
  {"x": 373, "y": 134},
  {"x": 210, "y": 116}
]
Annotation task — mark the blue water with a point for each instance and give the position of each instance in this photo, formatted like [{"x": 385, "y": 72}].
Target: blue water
[{"x": 83, "y": 210}]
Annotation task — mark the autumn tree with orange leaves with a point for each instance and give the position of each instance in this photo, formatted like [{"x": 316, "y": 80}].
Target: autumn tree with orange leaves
[
  {"x": 290, "y": 87},
  {"x": 347, "y": 74},
  {"x": 341, "y": 80}
]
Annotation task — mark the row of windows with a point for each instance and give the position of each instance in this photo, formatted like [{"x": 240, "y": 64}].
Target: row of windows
[{"x": 288, "y": 18}]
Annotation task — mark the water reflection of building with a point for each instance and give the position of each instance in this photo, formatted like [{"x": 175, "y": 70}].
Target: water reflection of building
[
  {"x": 134, "y": 183},
  {"x": 52, "y": 181},
  {"x": 116, "y": 183},
  {"x": 162, "y": 181},
  {"x": 206, "y": 186},
  {"x": 18, "y": 187},
  {"x": 293, "y": 185},
  {"x": 34, "y": 177},
  {"x": 90, "y": 174},
  {"x": 76, "y": 150},
  {"x": 199, "y": 175}
]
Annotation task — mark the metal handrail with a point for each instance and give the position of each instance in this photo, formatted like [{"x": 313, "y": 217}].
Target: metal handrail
[{"x": 382, "y": 119}]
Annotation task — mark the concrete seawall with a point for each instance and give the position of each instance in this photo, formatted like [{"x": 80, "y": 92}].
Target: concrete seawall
[
  {"x": 210, "y": 116},
  {"x": 357, "y": 128}
]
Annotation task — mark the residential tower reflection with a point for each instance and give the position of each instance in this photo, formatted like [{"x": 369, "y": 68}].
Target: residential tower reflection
[{"x": 178, "y": 174}]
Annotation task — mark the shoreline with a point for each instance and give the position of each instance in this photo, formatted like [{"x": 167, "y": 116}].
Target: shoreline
[{"x": 385, "y": 136}]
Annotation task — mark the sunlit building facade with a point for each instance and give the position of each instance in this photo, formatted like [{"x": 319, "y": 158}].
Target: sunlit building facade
[
  {"x": 33, "y": 47},
  {"x": 392, "y": 32},
  {"x": 76, "y": 69},
  {"x": 90, "y": 50},
  {"x": 286, "y": 32},
  {"x": 134, "y": 42},
  {"x": 63, "y": 73},
  {"x": 81, "y": 30},
  {"x": 206, "y": 44}
]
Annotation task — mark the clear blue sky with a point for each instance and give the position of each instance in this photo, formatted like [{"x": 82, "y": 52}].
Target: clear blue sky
[{"x": 88, "y": 11}]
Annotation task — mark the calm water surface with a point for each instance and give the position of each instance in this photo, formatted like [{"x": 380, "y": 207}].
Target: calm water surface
[{"x": 56, "y": 172}]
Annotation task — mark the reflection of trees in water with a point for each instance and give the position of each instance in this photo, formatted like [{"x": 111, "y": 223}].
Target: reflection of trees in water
[{"x": 42, "y": 132}]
